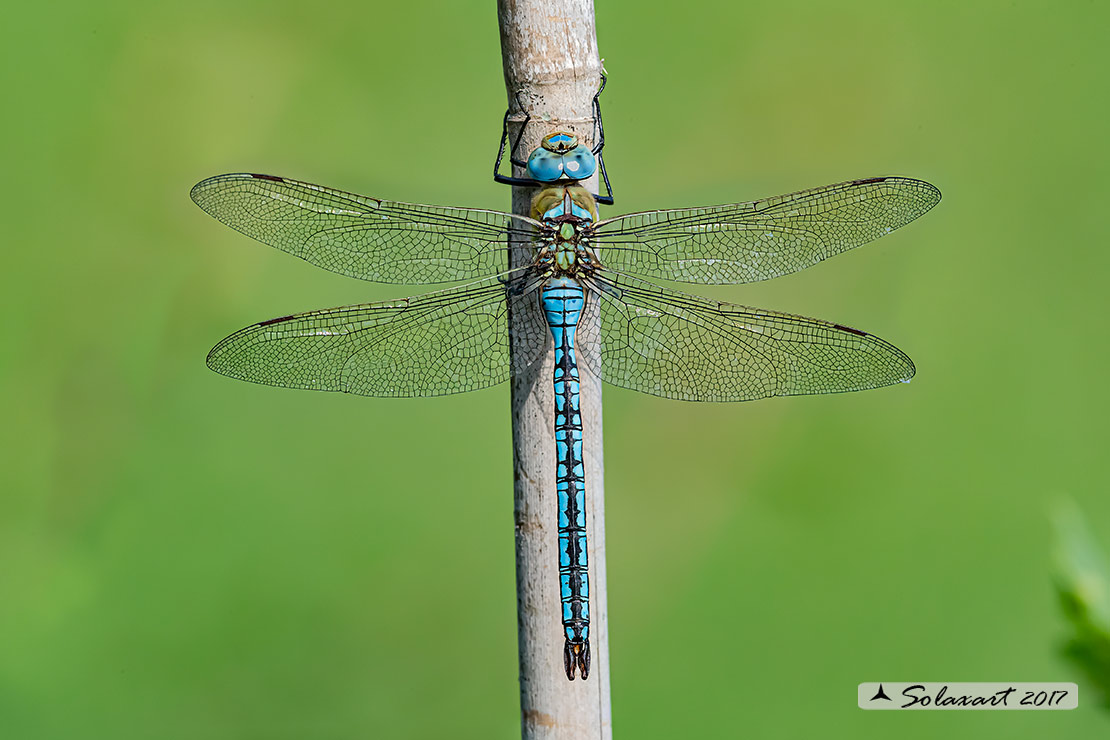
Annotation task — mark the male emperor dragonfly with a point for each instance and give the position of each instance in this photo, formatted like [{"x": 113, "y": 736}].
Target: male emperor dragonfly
[{"x": 635, "y": 335}]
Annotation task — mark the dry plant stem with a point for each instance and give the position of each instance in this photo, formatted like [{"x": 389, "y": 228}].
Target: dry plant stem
[{"x": 552, "y": 69}]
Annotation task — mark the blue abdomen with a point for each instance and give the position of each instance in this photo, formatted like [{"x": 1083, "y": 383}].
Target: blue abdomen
[{"x": 563, "y": 300}]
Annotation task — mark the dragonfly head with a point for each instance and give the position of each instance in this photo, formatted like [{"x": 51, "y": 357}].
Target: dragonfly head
[{"x": 561, "y": 155}]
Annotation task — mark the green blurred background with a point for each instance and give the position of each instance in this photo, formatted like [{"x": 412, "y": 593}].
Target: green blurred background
[{"x": 185, "y": 556}]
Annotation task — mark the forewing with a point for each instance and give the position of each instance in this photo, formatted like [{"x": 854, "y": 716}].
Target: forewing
[
  {"x": 379, "y": 240},
  {"x": 762, "y": 239},
  {"x": 689, "y": 348},
  {"x": 430, "y": 345}
]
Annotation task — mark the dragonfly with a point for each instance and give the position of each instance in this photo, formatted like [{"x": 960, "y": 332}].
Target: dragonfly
[{"x": 585, "y": 293}]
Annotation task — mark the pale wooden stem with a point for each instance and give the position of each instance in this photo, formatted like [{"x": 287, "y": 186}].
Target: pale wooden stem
[{"x": 552, "y": 69}]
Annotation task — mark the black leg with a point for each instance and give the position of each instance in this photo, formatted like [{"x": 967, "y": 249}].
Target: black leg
[{"x": 599, "y": 128}]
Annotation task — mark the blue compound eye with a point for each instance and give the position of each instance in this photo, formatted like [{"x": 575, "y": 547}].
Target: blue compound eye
[
  {"x": 579, "y": 163},
  {"x": 545, "y": 166}
]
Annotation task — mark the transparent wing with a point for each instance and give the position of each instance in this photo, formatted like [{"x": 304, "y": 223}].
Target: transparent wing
[
  {"x": 763, "y": 239},
  {"x": 379, "y": 240},
  {"x": 439, "y": 343},
  {"x": 689, "y": 348}
]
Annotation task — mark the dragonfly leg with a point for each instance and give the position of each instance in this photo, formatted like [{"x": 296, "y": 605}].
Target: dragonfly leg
[{"x": 577, "y": 654}]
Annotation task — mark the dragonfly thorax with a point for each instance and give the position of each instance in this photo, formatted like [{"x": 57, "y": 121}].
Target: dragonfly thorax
[
  {"x": 565, "y": 251},
  {"x": 568, "y": 214},
  {"x": 557, "y": 204}
]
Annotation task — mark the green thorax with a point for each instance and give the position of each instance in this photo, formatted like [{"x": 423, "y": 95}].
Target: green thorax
[{"x": 567, "y": 212}]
